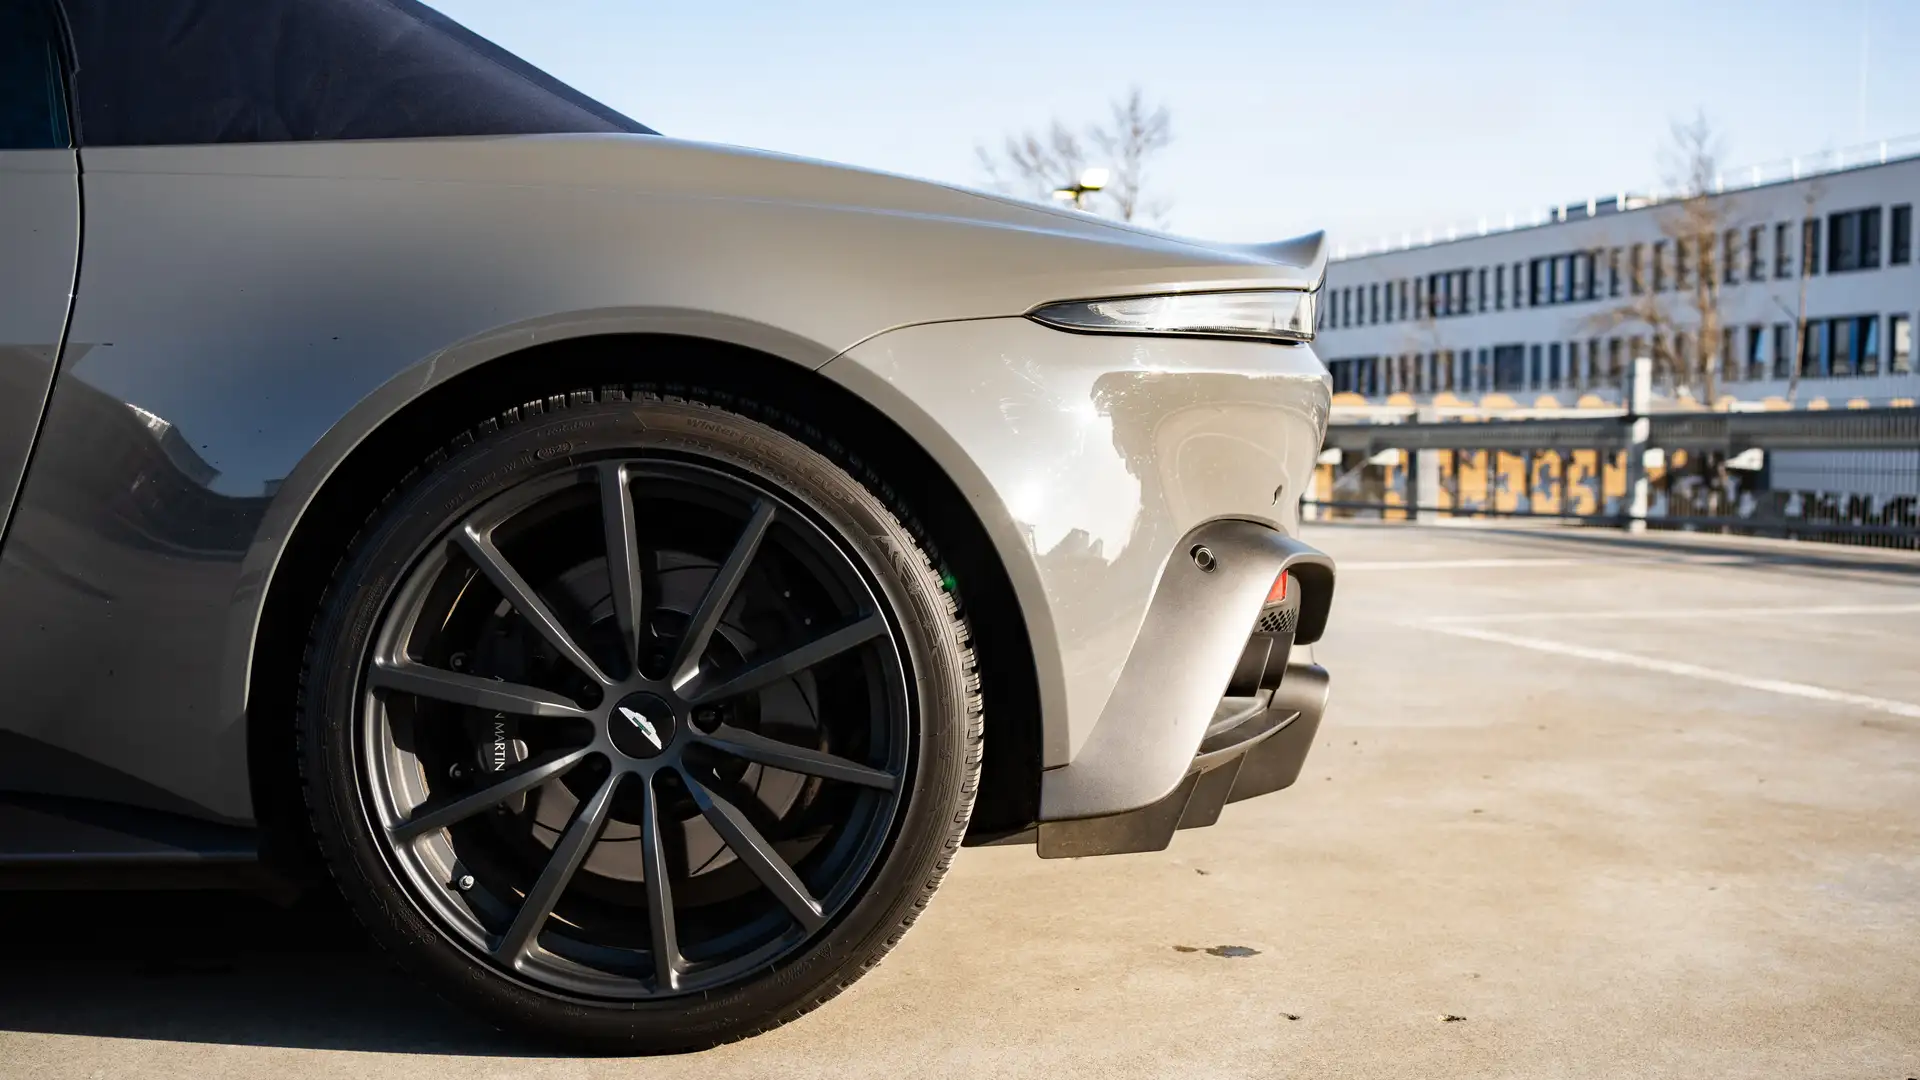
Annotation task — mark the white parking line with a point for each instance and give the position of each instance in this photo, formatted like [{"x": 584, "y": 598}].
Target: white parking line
[
  {"x": 1522, "y": 564},
  {"x": 1463, "y": 564},
  {"x": 1681, "y": 613},
  {"x": 1688, "y": 671}
]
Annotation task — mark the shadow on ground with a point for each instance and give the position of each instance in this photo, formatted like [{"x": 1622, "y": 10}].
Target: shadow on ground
[{"x": 217, "y": 967}]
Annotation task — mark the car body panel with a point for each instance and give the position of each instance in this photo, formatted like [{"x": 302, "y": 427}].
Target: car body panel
[
  {"x": 248, "y": 314},
  {"x": 1089, "y": 457},
  {"x": 39, "y": 241}
]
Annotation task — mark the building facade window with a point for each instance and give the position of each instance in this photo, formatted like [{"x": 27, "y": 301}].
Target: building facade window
[
  {"x": 1660, "y": 260},
  {"x": 1783, "y": 354},
  {"x": 1533, "y": 367},
  {"x": 1843, "y": 347},
  {"x": 1754, "y": 359},
  {"x": 1757, "y": 253},
  {"x": 1613, "y": 271},
  {"x": 1518, "y": 299},
  {"x": 1483, "y": 288},
  {"x": 1373, "y": 303},
  {"x": 1509, "y": 367},
  {"x": 1500, "y": 288},
  {"x": 1683, "y": 264},
  {"x": 1810, "y": 246},
  {"x": 1899, "y": 345},
  {"x": 1614, "y": 362},
  {"x": 1900, "y": 244},
  {"x": 1728, "y": 360},
  {"x": 1782, "y": 251},
  {"x": 1853, "y": 240},
  {"x": 1730, "y": 257},
  {"x": 1813, "y": 349}
]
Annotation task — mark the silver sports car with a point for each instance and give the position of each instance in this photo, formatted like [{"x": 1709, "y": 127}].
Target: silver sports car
[{"x": 627, "y": 569}]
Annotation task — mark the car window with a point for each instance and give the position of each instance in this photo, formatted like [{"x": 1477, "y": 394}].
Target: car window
[
  {"x": 33, "y": 113},
  {"x": 197, "y": 72}
]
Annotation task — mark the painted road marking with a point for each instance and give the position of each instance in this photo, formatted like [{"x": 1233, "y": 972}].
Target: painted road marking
[
  {"x": 1686, "y": 671},
  {"x": 1681, "y": 613},
  {"x": 1462, "y": 564},
  {"x": 1522, "y": 564}
]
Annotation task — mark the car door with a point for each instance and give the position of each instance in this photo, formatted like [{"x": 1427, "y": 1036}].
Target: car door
[{"x": 39, "y": 227}]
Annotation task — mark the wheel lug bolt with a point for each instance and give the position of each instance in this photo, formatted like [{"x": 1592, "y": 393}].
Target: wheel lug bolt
[{"x": 465, "y": 884}]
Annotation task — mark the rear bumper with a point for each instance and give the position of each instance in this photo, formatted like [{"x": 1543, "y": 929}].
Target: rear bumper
[
  {"x": 1256, "y": 745},
  {"x": 1172, "y": 715},
  {"x": 1090, "y": 459}
]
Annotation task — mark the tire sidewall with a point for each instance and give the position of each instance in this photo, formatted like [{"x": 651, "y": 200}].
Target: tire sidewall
[{"x": 558, "y": 440}]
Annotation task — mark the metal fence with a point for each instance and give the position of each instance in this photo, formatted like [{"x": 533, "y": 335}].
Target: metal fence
[{"x": 1839, "y": 475}]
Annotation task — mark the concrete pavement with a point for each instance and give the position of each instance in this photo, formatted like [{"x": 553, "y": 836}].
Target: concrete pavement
[{"x": 1581, "y": 807}]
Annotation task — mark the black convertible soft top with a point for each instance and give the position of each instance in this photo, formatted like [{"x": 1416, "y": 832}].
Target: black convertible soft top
[{"x": 174, "y": 72}]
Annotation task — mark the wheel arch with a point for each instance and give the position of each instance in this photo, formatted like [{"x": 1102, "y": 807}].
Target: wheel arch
[{"x": 322, "y": 516}]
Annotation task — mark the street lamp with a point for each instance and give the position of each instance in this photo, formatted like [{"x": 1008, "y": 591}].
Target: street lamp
[{"x": 1091, "y": 180}]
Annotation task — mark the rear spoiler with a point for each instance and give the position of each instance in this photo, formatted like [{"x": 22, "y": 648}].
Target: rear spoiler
[{"x": 1307, "y": 252}]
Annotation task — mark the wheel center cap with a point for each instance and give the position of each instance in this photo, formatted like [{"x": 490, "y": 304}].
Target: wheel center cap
[{"x": 641, "y": 725}]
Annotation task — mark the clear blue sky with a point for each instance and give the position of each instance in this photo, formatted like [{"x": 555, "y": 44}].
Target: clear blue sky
[{"x": 1363, "y": 118}]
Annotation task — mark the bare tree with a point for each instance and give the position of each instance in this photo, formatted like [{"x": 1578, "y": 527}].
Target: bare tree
[
  {"x": 1679, "y": 309},
  {"x": 1035, "y": 164},
  {"x": 1808, "y": 254},
  {"x": 1135, "y": 134}
]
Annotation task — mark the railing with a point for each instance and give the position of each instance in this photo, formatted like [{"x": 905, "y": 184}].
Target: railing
[
  {"x": 1849, "y": 475},
  {"x": 1747, "y": 176}
]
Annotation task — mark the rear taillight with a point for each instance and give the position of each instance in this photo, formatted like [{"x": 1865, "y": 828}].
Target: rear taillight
[{"x": 1279, "y": 590}]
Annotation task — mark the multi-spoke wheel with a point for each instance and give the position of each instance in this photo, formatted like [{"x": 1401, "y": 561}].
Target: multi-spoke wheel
[{"x": 639, "y": 723}]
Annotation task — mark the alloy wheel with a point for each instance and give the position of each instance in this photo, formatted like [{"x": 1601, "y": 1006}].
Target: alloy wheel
[{"x": 635, "y": 730}]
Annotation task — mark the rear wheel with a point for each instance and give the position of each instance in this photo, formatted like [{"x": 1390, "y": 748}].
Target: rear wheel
[{"x": 639, "y": 723}]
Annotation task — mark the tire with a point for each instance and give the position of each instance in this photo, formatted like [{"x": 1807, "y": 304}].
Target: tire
[{"x": 468, "y": 601}]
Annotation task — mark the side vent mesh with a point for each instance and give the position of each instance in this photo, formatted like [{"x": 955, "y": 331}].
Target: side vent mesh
[{"x": 1277, "y": 620}]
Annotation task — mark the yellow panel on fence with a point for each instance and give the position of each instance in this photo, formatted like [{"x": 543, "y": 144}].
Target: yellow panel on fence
[
  {"x": 1394, "y": 477},
  {"x": 1470, "y": 479},
  {"x": 1510, "y": 479},
  {"x": 1613, "y": 477},
  {"x": 1543, "y": 491},
  {"x": 1583, "y": 483}
]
